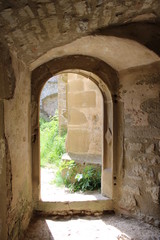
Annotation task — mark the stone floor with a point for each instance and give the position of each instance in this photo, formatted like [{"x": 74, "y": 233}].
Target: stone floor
[{"x": 106, "y": 227}]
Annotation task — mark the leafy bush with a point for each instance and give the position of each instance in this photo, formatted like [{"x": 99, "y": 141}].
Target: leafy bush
[
  {"x": 89, "y": 179},
  {"x": 76, "y": 179},
  {"x": 52, "y": 145}
]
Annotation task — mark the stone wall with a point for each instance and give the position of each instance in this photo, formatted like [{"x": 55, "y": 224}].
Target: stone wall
[
  {"x": 85, "y": 118},
  {"x": 141, "y": 183},
  {"x": 132, "y": 127},
  {"x": 62, "y": 102},
  {"x": 80, "y": 113},
  {"x": 15, "y": 149},
  {"x": 7, "y": 83},
  {"x": 37, "y": 32},
  {"x": 49, "y": 98},
  {"x": 33, "y": 27}
]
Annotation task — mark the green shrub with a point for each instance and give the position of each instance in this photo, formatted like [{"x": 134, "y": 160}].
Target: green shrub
[
  {"x": 52, "y": 145},
  {"x": 88, "y": 178}
]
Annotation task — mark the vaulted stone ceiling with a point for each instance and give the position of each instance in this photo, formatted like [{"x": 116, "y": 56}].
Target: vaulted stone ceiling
[{"x": 32, "y": 27}]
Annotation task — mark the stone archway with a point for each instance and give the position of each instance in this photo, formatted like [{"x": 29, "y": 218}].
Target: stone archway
[
  {"x": 112, "y": 59},
  {"x": 99, "y": 73}
]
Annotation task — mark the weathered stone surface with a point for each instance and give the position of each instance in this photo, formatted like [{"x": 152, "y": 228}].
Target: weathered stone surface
[
  {"x": 57, "y": 19},
  {"x": 76, "y": 85},
  {"x": 82, "y": 99},
  {"x": 37, "y": 31},
  {"x": 18, "y": 165},
  {"x": 128, "y": 202},
  {"x": 84, "y": 103},
  {"x": 62, "y": 102},
  {"x": 154, "y": 191},
  {"x": 76, "y": 117},
  {"x": 141, "y": 143},
  {"x": 131, "y": 190},
  {"x": 7, "y": 77},
  {"x": 134, "y": 146},
  {"x": 77, "y": 141},
  {"x": 49, "y": 98},
  {"x": 152, "y": 107}
]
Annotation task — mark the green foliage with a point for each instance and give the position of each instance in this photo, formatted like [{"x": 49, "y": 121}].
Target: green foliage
[
  {"x": 52, "y": 145},
  {"x": 89, "y": 178}
]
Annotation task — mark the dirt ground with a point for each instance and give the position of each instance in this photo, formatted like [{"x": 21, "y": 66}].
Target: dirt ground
[
  {"x": 51, "y": 193},
  {"x": 106, "y": 227}
]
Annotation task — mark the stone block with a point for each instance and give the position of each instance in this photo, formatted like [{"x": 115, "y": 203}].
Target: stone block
[
  {"x": 150, "y": 149},
  {"x": 134, "y": 146},
  {"x": 51, "y": 26},
  {"x": 132, "y": 190},
  {"x": 51, "y": 8},
  {"x": 67, "y": 23},
  {"x": 81, "y": 8},
  {"x": 82, "y": 26},
  {"x": 78, "y": 141},
  {"x": 76, "y": 117},
  {"x": 7, "y": 15},
  {"x": 82, "y": 99},
  {"x": 18, "y": 34},
  {"x": 128, "y": 202},
  {"x": 29, "y": 11},
  {"x": 154, "y": 191},
  {"x": 35, "y": 26},
  {"x": 89, "y": 84},
  {"x": 75, "y": 85},
  {"x": 22, "y": 13},
  {"x": 41, "y": 12},
  {"x": 50, "y": 104}
]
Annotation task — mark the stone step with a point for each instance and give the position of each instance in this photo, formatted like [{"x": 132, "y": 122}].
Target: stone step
[{"x": 95, "y": 207}]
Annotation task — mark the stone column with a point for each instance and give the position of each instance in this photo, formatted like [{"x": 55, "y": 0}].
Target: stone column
[{"x": 62, "y": 102}]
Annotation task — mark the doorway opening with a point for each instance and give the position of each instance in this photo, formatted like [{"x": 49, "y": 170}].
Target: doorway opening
[
  {"x": 71, "y": 138},
  {"x": 106, "y": 80}
]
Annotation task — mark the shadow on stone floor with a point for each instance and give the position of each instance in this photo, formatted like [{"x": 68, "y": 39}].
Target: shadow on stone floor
[
  {"x": 38, "y": 230},
  {"x": 108, "y": 226}
]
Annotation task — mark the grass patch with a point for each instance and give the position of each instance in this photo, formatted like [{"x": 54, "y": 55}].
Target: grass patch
[{"x": 52, "y": 144}]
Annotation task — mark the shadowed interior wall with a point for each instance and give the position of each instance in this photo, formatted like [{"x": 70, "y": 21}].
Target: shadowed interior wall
[
  {"x": 140, "y": 93},
  {"x": 16, "y": 200}
]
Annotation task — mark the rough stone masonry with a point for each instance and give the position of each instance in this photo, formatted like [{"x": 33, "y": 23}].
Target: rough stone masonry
[{"x": 116, "y": 45}]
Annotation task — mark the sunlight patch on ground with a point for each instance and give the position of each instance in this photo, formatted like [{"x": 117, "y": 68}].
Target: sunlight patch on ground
[
  {"x": 83, "y": 229},
  {"x": 52, "y": 193}
]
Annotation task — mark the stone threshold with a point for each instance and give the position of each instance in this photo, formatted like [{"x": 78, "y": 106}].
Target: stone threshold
[{"x": 86, "y": 207}]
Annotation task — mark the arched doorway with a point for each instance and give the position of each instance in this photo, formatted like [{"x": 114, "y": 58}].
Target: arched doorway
[
  {"x": 72, "y": 136},
  {"x": 104, "y": 72}
]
